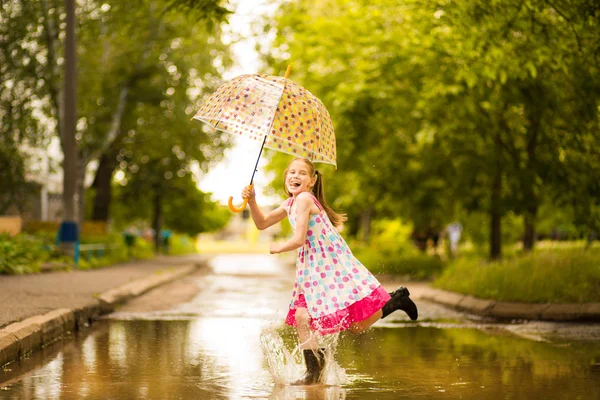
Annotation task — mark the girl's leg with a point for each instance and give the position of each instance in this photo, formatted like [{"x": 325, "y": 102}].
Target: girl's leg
[
  {"x": 360, "y": 327},
  {"x": 313, "y": 356},
  {"x": 306, "y": 336},
  {"x": 400, "y": 301}
]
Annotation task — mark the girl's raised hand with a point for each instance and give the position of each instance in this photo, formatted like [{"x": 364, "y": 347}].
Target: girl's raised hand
[{"x": 248, "y": 192}]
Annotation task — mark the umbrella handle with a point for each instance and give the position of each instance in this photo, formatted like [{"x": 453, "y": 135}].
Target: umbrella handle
[{"x": 236, "y": 209}]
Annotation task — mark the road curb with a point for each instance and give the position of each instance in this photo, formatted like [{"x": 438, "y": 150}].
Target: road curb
[
  {"x": 504, "y": 310},
  {"x": 21, "y": 338}
]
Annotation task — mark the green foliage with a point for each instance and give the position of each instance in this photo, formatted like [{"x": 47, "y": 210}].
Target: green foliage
[
  {"x": 391, "y": 252},
  {"x": 142, "y": 250},
  {"x": 142, "y": 66},
  {"x": 443, "y": 109},
  {"x": 559, "y": 274},
  {"x": 185, "y": 208},
  {"x": 182, "y": 244},
  {"x": 558, "y": 223},
  {"x": 476, "y": 229},
  {"x": 14, "y": 189},
  {"x": 19, "y": 91},
  {"x": 21, "y": 254},
  {"x": 116, "y": 252}
]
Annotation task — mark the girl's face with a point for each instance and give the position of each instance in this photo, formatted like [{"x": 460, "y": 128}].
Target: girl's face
[{"x": 298, "y": 179}]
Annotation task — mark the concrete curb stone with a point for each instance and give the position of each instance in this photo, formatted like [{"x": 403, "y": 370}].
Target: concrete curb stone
[
  {"x": 9, "y": 347},
  {"x": 21, "y": 338},
  {"x": 514, "y": 310},
  {"x": 479, "y": 306},
  {"x": 591, "y": 311},
  {"x": 28, "y": 334}
]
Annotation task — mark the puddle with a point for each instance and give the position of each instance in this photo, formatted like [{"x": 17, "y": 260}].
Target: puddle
[{"x": 229, "y": 342}]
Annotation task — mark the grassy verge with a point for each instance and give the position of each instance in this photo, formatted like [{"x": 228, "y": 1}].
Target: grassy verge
[
  {"x": 392, "y": 260},
  {"x": 557, "y": 274},
  {"x": 21, "y": 254},
  {"x": 25, "y": 253}
]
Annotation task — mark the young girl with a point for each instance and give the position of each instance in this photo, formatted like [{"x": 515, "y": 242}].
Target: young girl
[{"x": 333, "y": 290}]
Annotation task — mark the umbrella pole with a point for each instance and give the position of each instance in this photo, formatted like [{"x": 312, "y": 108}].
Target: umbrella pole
[
  {"x": 259, "y": 154},
  {"x": 240, "y": 209}
]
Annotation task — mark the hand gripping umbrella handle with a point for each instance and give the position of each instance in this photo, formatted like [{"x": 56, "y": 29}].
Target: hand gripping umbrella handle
[{"x": 242, "y": 207}]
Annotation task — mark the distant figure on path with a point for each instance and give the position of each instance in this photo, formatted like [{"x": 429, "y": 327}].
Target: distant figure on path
[
  {"x": 454, "y": 231},
  {"x": 333, "y": 290}
]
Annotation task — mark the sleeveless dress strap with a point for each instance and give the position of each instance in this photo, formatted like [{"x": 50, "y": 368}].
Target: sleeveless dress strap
[
  {"x": 316, "y": 201},
  {"x": 290, "y": 201}
]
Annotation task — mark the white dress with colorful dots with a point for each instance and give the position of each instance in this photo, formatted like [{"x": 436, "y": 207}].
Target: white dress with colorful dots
[{"x": 335, "y": 288}]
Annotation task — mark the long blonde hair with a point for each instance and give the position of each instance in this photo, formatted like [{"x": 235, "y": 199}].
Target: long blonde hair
[{"x": 318, "y": 190}]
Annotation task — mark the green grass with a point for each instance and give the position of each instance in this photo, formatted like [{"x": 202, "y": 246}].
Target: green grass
[
  {"x": 21, "y": 254},
  {"x": 565, "y": 273},
  {"x": 408, "y": 264},
  {"x": 182, "y": 244}
]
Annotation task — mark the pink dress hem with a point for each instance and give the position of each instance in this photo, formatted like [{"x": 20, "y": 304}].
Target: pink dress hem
[{"x": 344, "y": 318}]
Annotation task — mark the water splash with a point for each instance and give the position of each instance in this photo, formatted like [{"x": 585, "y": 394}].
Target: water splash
[
  {"x": 333, "y": 374},
  {"x": 283, "y": 366},
  {"x": 313, "y": 392},
  {"x": 287, "y": 366}
]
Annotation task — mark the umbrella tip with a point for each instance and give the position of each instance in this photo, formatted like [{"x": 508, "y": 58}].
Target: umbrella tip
[{"x": 287, "y": 71}]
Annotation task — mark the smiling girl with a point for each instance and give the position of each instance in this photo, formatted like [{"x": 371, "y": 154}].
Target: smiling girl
[{"x": 333, "y": 291}]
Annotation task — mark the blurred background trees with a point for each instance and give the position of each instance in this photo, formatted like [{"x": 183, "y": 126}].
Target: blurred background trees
[
  {"x": 485, "y": 113},
  {"x": 142, "y": 67}
]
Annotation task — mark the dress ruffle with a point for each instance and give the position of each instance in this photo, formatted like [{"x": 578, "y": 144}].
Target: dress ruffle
[{"x": 344, "y": 318}]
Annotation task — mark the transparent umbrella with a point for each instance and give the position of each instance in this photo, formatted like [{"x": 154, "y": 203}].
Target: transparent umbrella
[{"x": 275, "y": 110}]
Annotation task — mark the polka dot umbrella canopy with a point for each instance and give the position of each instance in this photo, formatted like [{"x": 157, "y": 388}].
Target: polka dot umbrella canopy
[{"x": 275, "y": 110}]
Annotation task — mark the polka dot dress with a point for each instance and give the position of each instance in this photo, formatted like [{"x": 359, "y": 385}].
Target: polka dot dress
[{"x": 335, "y": 288}]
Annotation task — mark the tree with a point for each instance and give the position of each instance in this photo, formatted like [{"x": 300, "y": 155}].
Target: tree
[
  {"x": 451, "y": 106},
  {"x": 120, "y": 44},
  {"x": 178, "y": 68},
  {"x": 20, "y": 99},
  {"x": 134, "y": 54}
]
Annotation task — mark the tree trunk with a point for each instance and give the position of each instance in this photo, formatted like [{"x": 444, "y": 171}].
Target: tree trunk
[
  {"x": 81, "y": 189},
  {"x": 70, "y": 118},
  {"x": 529, "y": 228},
  {"x": 103, "y": 186},
  {"x": 68, "y": 234},
  {"x": 496, "y": 237},
  {"x": 496, "y": 207},
  {"x": 534, "y": 109},
  {"x": 365, "y": 224},
  {"x": 495, "y": 223},
  {"x": 157, "y": 220}
]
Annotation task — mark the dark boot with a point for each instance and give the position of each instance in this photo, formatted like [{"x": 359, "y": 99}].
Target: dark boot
[
  {"x": 400, "y": 301},
  {"x": 315, "y": 362}
]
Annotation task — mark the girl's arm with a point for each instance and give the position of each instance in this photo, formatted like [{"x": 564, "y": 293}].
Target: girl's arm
[
  {"x": 260, "y": 220},
  {"x": 304, "y": 206}
]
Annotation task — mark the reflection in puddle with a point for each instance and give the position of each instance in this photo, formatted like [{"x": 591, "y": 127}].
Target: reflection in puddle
[
  {"x": 222, "y": 359},
  {"x": 230, "y": 343},
  {"x": 319, "y": 392}
]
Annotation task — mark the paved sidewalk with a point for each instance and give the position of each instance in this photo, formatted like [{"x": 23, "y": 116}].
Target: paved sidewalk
[{"x": 38, "y": 309}]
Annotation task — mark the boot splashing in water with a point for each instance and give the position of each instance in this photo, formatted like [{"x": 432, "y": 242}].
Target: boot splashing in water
[
  {"x": 315, "y": 362},
  {"x": 400, "y": 301}
]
